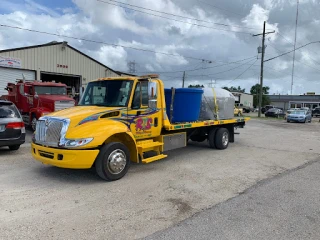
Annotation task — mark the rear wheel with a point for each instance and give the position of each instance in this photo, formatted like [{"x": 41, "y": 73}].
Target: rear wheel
[
  {"x": 211, "y": 138},
  {"x": 14, "y": 147},
  {"x": 222, "y": 138},
  {"x": 113, "y": 161}
]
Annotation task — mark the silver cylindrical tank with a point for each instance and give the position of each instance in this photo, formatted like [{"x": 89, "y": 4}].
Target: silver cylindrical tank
[{"x": 217, "y": 103}]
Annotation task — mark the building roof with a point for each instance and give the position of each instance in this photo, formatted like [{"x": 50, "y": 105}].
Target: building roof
[
  {"x": 58, "y": 43},
  {"x": 281, "y": 98},
  {"x": 239, "y": 93}
]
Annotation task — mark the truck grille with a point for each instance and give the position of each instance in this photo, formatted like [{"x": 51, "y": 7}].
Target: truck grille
[
  {"x": 48, "y": 132},
  {"x": 59, "y": 105}
]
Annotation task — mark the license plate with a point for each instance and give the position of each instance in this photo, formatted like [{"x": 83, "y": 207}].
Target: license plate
[{"x": 2, "y": 128}]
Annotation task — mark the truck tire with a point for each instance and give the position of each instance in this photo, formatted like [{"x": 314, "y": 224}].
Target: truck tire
[
  {"x": 211, "y": 138},
  {"x": 33, "y": 122},
  {"x": 113, "y": 161},
  {"x": 222, "y": 138},
  {"x": 14, "y": 147}
]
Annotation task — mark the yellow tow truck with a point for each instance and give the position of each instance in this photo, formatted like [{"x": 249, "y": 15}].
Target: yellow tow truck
[{"x": 121, "y": 120}]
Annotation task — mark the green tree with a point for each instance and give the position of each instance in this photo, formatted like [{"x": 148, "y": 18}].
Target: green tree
[
  {"x": 235, "y": 89},
  {"x": 195, "y": 86},
  {"x": 255, "y": 90}
]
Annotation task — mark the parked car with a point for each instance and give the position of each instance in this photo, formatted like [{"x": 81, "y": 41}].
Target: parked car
[
  {"x": 237, "y": 111},
  {"x": 246, "y": 109},
  {"x": 290, "y": 111},
  {"x": 316, "y": 112},
  {"x": 299, "y": 116},
  {"x": 274, "y": 112},
  {"x": 266, "y": 108},
  {"x": 12, "y": 129}
]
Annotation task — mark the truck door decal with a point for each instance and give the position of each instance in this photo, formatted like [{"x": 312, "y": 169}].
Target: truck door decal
[{"x": 143, "y": 124}]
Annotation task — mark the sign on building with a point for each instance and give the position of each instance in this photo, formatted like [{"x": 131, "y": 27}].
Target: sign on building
[{"x": 10, "y": 62}]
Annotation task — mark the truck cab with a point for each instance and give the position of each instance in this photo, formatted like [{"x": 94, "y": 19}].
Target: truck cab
[
  {"x": 118, "y": 121},
  {"x": 35, "y": 99}
]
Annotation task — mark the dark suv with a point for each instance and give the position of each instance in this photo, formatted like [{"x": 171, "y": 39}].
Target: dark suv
[
  {"x": 316, "y": 112},
  {"x": 12, "y": 129},
  {"x": 266, "y": 108}
]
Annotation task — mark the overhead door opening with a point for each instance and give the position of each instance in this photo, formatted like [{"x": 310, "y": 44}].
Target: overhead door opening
[{"x": 72, "y": 81}]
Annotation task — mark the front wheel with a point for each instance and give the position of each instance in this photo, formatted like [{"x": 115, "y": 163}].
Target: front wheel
[
  {"x": 14, "y": 147},
  {"x": 113, "y": 161}
]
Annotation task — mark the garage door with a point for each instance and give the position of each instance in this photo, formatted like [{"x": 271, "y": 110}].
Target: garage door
[{"x": 11, "y": 75}]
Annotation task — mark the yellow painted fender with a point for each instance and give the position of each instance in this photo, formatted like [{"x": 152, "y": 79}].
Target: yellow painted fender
[{"x": 104, "y": 131}]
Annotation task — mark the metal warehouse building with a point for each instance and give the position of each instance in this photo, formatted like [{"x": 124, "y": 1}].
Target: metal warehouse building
[
  {"x": 295, "y": 101},
  {"x": 54, "y": 61}
]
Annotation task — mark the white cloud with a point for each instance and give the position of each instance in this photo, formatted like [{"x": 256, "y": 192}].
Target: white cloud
[
  {"x": 40, "y": 8},
  {"x": 256, "y": 17},
  {"x": 102, "y": 22},
  {"x": 115, "y": 57}
]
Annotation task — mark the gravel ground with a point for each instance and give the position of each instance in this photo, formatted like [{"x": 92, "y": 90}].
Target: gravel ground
[{"x": 39, "y": 201}]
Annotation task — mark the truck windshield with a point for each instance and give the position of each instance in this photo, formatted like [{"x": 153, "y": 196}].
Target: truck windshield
[
  {"x": 49, "y": 90},
  {"x": 109, "y": 93}
]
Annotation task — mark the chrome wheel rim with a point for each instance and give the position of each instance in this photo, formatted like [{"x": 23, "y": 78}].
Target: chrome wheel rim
[
  {"x": 33, "y": 124},
  {"x": 117, "y": 161},
  {"x": 225, "y": 138}
]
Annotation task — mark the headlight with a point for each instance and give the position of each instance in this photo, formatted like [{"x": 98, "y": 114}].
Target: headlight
[{"x": 75, "y": 142}]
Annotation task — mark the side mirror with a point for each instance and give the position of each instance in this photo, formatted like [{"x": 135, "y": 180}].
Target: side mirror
[{"x": 36, "y": 95}]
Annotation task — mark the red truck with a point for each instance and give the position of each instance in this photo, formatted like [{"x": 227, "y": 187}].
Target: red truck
[{"x": 35, "y": 99}]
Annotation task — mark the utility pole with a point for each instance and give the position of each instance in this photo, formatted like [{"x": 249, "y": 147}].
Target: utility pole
[
  {"x": 183, "y": 78},
  {"x": 294, "y": 46},
  {"x": 261, "y": 71}
]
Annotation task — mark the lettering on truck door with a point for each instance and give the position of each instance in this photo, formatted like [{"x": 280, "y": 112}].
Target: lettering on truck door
[{"x": 147, "y": 119}]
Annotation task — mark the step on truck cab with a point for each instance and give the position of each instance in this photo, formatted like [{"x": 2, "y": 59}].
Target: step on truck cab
[{"x": 118, "y": 121}]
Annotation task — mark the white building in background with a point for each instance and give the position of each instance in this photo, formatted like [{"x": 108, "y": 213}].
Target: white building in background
[{"x": 54, "y": 61}]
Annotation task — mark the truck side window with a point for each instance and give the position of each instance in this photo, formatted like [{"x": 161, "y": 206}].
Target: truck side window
[
  {"x": 21, "y": 89},
  {"x": 136, "y": 96}
]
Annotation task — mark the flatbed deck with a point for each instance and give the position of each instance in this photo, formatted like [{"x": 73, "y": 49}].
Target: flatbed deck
[{"x": 178, "y": 126}]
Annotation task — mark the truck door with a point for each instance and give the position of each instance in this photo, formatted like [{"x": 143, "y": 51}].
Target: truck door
[{"x": 147, "y": 120}]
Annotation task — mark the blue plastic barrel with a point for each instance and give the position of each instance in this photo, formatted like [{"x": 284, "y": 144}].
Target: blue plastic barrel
[{"x": 186, "y": 104}]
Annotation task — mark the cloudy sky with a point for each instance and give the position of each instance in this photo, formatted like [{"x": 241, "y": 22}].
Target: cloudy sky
[{"x": 210, "y": 39}]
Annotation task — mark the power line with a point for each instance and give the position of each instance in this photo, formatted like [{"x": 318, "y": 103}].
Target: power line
[
  {"x": 272, "y": 45},
  {"x": 243, "y": 72},
  {"x": 176, "y": 20},
  {"x": 100, "y": 42},
  {"x": 228, "y": 70},
  {"x": 175, "y": 15},
  {"x": 291, "y": 51},
  {"x": 214, "y": 6},
  {"x": 201, "y": 68}
]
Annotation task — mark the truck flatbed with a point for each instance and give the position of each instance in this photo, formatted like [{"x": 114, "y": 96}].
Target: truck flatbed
[{"x": 185, "y": 125}]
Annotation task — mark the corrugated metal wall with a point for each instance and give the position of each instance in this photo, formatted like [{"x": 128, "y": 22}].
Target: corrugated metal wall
[{"x": 47, "y": 59}]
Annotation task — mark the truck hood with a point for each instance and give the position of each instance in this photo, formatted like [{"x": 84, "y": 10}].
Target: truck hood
[
  {"x": 81, "y": 114},
  {"x": 52, "y": 98}
]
